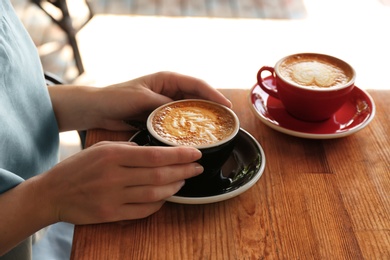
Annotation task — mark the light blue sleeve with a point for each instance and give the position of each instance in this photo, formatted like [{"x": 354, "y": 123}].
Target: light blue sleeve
[
  {"x": 8, "y": 180},
  {"x": 29, "y": 136}
]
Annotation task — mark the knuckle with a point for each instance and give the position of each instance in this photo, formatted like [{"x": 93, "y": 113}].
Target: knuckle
[
  {"x": 105, "y": 213},
  {"x": 156, "y": 156},
  {"x": 158, "y": 176},
  {"x": 145, "y": 210},
  {"x": 182, "y": 153},
  {"x": 107, "y": 152},
  {"x": 152, "y": 195},
  {"x": 101, "y": 143}
]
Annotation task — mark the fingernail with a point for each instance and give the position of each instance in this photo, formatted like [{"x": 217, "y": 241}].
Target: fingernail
[
  {"x": 197, "y": 154},
  {"x": 231, "y": 104},
  {"x": 198, "y": 169}
]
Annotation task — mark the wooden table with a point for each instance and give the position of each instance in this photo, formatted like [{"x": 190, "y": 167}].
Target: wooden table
[{"x": 317, "y": 199}]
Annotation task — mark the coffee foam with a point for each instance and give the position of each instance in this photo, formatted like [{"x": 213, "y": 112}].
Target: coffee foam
[
  {"x": 315, "y": 71},
  {"x": 193, "y": 123}
]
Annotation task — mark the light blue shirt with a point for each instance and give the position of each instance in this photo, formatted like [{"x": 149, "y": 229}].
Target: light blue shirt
[{"x": 29, "y": 135}]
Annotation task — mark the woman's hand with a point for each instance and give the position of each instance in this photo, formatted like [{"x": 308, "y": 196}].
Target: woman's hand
[
  {"x": 79, "y": 108},
  {"x": 114, "y": 181},
  {"x": 109, "y": 181}
]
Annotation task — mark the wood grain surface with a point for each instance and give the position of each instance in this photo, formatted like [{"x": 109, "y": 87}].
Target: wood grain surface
[{"x": 317, "y": 199}]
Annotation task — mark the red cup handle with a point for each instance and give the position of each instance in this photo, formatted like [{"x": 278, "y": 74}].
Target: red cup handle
[{"x": 271, "y": 90}]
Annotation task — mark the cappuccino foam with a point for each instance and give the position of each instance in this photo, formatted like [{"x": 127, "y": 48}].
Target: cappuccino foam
[
  {"x": 193, "y": 123},
  {"x": 315, "y": 71}
]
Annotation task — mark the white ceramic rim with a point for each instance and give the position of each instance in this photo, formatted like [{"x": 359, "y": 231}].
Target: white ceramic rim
[
  {"x": 346, "y": 85},
  {"x": 205, "y": 146}
]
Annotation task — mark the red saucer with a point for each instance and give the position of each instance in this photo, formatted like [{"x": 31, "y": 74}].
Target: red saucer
[{"x": 351, "y": 117}]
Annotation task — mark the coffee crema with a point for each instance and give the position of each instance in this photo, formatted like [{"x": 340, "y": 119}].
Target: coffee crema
[
  {"x": 193, "y": 123},
  {"x": 315, "y": 71}
]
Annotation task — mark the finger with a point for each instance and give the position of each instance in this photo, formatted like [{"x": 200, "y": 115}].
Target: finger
[
  {"x": 162, "y": 156},
  {"x": 153, "y": 156},
  {"x": 150, "y": 193},
  {"x": 197, "y": 88},
  {"x": 142, "y": 201},
  {"x": 157, "y": 175},
  {"x": 179, "y": 86},
  {"x": 103, "y": 143},
  {"x": 127, "y": 154},
  {"x": 138, "y": 211}
]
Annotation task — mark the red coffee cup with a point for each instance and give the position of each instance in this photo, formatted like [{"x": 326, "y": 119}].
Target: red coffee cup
[{"x": 311, "y": 86}]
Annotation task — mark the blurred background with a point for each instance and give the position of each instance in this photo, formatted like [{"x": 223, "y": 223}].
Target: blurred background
[{"x": 225, "y": 42}]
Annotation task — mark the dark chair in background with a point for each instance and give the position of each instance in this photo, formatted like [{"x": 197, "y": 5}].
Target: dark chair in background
[
  {"x": 66, "y": 24},
  {"x": 52, "y": 79}
]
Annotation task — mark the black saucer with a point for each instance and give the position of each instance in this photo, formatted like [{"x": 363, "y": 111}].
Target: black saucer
[{"x": 243, "y": 168}]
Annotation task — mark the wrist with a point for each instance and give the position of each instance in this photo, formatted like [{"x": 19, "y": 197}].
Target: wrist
[
  {"x": 74, "y": 106},
  {"x": 44, "y": 202},
  {"x": 25, "y": 209}
]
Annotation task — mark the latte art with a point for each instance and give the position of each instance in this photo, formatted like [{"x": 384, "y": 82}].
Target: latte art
[
  {"x": 314, "y": 72},
  {"x": 193, "y": 123}
]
